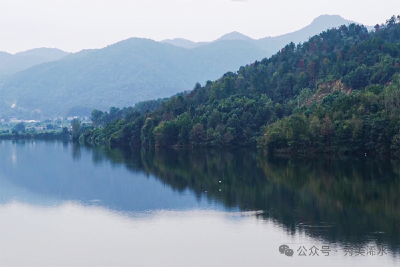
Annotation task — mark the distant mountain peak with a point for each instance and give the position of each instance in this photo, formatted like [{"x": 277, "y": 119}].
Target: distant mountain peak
[
  {"x": 326, "y": 16},
  {"x": 10, "y": 64},
  {"x": 176, "y": 40},
  {"x": 234, "y": 36},
  {"x": 331, "y": 19},
  {"x": 181, "y": 42},
  {"x": 46, "y": 54}
]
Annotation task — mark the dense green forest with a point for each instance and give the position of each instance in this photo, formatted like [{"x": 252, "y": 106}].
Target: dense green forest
[{"x": 338, "y": 92}]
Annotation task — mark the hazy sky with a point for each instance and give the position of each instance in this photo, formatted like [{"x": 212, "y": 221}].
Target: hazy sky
[{"x": 73, "y": 25}]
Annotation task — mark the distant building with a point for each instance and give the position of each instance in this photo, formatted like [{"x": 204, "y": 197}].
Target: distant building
[
  {"x": 70, "y": 118},
  {"x": 15, "y": 120},
  {"x": 2, "y": 120}
]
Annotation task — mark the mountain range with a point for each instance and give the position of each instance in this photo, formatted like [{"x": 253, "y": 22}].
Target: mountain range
[
  {"x": 10, "y": 64},
  {"x": 130, "y": 71},
  {"x": 273, "y": 44}
]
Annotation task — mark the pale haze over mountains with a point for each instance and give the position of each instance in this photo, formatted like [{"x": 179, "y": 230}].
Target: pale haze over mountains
[
  {"x": 130, "y": 71},
  {"x": 10, "y": 64},
  {"x": 273, "y": 44}
]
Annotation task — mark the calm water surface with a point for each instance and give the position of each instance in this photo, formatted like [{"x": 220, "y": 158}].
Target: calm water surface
[{"x": 68, "y": 205}]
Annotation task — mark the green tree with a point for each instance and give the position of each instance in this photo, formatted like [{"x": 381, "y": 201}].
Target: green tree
[
  {"x": 198, "y": 133},
  {"x": 20, "y": 127},
  {"x": 76, "y": 129}
]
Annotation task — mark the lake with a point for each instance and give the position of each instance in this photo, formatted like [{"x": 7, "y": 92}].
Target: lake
[{"x": 62, "y": 204}]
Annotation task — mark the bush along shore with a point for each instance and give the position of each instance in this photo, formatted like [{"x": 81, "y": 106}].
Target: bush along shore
[{"x": 53, "y": 135}]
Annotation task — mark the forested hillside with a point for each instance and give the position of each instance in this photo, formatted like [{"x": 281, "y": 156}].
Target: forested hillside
[{"x": 340, "y": 91}]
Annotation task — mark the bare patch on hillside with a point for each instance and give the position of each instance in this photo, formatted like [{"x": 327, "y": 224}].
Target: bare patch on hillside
[{"x": 328, "y": 88}]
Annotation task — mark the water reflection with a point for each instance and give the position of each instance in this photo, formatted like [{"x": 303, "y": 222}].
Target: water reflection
[
  {"x": 343, "y": 200},
  {"x": 335, "y": 200}
]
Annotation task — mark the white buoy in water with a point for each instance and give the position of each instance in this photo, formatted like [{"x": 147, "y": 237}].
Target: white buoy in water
[{"x": 220, "y": 182}]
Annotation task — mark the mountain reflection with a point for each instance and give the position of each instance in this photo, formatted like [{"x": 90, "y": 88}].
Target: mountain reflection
[
  {"x": 339, "y": 200},
  {"x": 345, "y": 200}
]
